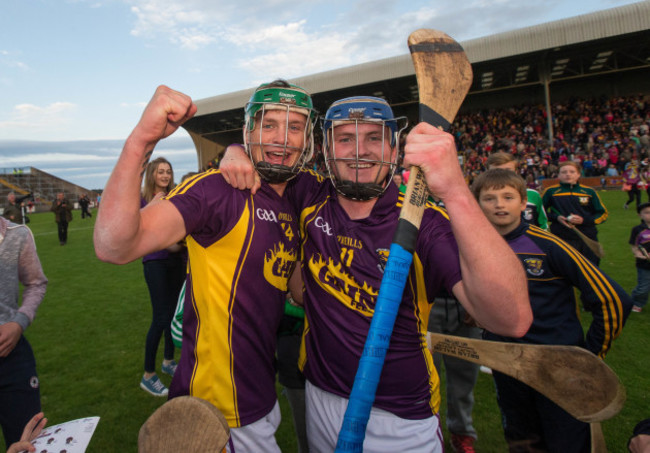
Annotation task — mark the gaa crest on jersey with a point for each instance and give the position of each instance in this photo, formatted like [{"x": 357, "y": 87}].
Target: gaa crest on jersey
[
  {"x": 278, "y": 263},
  {"x": 322, "y": 224},
  {"x": 534, "y": 266},
  {"x": 584, "y": 200},
  {"x": 383, "y": 258},
  {"x": 266, "y": 215}
]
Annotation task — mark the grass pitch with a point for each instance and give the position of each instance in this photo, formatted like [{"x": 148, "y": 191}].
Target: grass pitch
[{"x": 88, "y": 338}]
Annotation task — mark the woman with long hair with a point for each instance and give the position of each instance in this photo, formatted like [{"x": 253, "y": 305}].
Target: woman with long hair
[{"x": 164, "y": 274}]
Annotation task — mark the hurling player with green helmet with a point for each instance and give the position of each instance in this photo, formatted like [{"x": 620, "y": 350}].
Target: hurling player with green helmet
[{"x": 242, "y": 248}]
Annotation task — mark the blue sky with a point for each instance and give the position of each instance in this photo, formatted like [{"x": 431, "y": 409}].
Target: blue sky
[{"x": 76, "y": 74}]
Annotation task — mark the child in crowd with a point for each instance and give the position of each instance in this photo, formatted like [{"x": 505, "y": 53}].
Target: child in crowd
[
  {"x": 571, "y": 205},
  {"x": 531, "y": 421},
  {"x": 640, "y": 243},
  {"x": 534, "y": 212}
]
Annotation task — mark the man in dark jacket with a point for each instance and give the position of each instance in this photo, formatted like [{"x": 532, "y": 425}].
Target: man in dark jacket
[{"x": 62, "y": 216}]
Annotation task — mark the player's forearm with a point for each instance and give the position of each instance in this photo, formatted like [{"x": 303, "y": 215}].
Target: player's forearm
[
  {"x": 493, "y": 278},
  {"x": 118, "y": 221}
]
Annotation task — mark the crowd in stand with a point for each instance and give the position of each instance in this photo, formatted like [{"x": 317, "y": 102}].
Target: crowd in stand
[{"x": 602, "y": 134}]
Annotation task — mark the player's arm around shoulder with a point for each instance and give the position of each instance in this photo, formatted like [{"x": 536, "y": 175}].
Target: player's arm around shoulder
[
  {"x": 237, "y": 169},
  {"x": 493, "y": 288}
]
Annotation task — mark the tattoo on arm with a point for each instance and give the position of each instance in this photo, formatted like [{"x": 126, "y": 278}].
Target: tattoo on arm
[{"x": 145, "y": 162}]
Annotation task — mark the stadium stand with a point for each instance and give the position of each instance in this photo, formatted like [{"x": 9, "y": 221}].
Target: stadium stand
[
  {"x": 602, "y": 133},
  {"x": 596, "y": 56},
  {"x": 42, "y": 185}
]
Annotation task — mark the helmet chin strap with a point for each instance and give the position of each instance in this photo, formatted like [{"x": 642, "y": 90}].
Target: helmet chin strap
[
  {"x": 359, "y": 191},
  {"x": 274, "y": 173}
]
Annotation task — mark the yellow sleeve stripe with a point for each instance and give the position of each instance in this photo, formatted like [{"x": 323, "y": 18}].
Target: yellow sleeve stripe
[
  {"x": 601, "y": 287},
  {"x": 603, "y": 217},
  {"x": 189, "y": 182}
]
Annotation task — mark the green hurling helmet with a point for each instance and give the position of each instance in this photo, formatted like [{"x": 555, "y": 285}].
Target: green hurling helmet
[{"x": 273, "y": 155}]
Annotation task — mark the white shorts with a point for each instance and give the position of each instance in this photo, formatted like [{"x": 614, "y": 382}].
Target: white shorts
[
  {"x": 258, "y": 437},
  {"x": 385, "y": 432}
]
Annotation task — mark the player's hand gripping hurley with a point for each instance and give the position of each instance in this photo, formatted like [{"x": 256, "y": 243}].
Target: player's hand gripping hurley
[{"x": 444, "y": 76}]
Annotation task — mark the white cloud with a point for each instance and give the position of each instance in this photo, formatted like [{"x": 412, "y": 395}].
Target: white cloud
[
  {"x": 37, "y": 159},
  {"x": 9, "y": 60},
  {"x": 292, "y": 52},
  {"x": 30, "y": 116},
  {"x": 133, "y": 105},
  {"x": 89, "y": 162}
]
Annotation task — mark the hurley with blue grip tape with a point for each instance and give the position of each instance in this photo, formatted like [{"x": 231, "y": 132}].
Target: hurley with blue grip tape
[{"x": 444, "y": 76}]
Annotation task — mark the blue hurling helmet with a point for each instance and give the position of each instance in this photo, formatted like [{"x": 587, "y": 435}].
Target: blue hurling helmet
[{"x": 361, "y": 165}]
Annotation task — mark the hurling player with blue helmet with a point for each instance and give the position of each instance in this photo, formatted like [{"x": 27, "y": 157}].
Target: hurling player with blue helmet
[{"x": 347, "y": 226}]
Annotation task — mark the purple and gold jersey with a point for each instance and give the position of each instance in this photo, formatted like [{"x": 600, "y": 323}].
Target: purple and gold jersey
[
  {"x": 342, "y": 267},
  {"x": 241, "y": 251}
]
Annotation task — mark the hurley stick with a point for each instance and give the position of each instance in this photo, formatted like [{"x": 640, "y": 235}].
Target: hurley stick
[
  {"x": 595, "y": 246},
  {"x": 573, "y": 378},
  {"x": 644, "y": 252},
  {"x": 185, "y": 423},
  {"x": 598, "y": 444},
  {"x": 444, "y": 76}
]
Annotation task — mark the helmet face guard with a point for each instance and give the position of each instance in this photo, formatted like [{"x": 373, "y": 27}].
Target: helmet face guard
[
  {"x": 270, "y": 109},
  {"x": 369, "y": 153}
]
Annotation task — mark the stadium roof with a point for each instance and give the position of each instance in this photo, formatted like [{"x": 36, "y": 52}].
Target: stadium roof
[{"x": 612, "y": 40}]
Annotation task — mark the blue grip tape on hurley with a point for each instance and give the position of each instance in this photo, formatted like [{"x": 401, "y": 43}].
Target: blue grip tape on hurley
[{"x": 372, "y": 360}]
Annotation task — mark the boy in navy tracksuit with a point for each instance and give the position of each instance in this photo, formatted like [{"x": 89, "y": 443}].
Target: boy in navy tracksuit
[{"x": 532, "y": 422}]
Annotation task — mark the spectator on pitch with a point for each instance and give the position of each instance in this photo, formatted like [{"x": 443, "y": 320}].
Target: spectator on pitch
[
  {"x": 645, "y": 174},
  {"x": 242, "y": 249},
  {"x": 449, "y": 317},
  {"x": 571, "y": 205},
  {"x": 633, "y": 183},
  {"x": 164, "y": 273},
  {"x": 348, "y": 224},
  {"x": 531, "y": 421},
  {"x": 62, "y": 216},
  {"x": 84, "y": 203},
  {"x": 13, "y": 211},
  {"x": 534, "y": 212},
  {"x": 640, "y": 243},
  {"x": 19, "y": 385}
]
